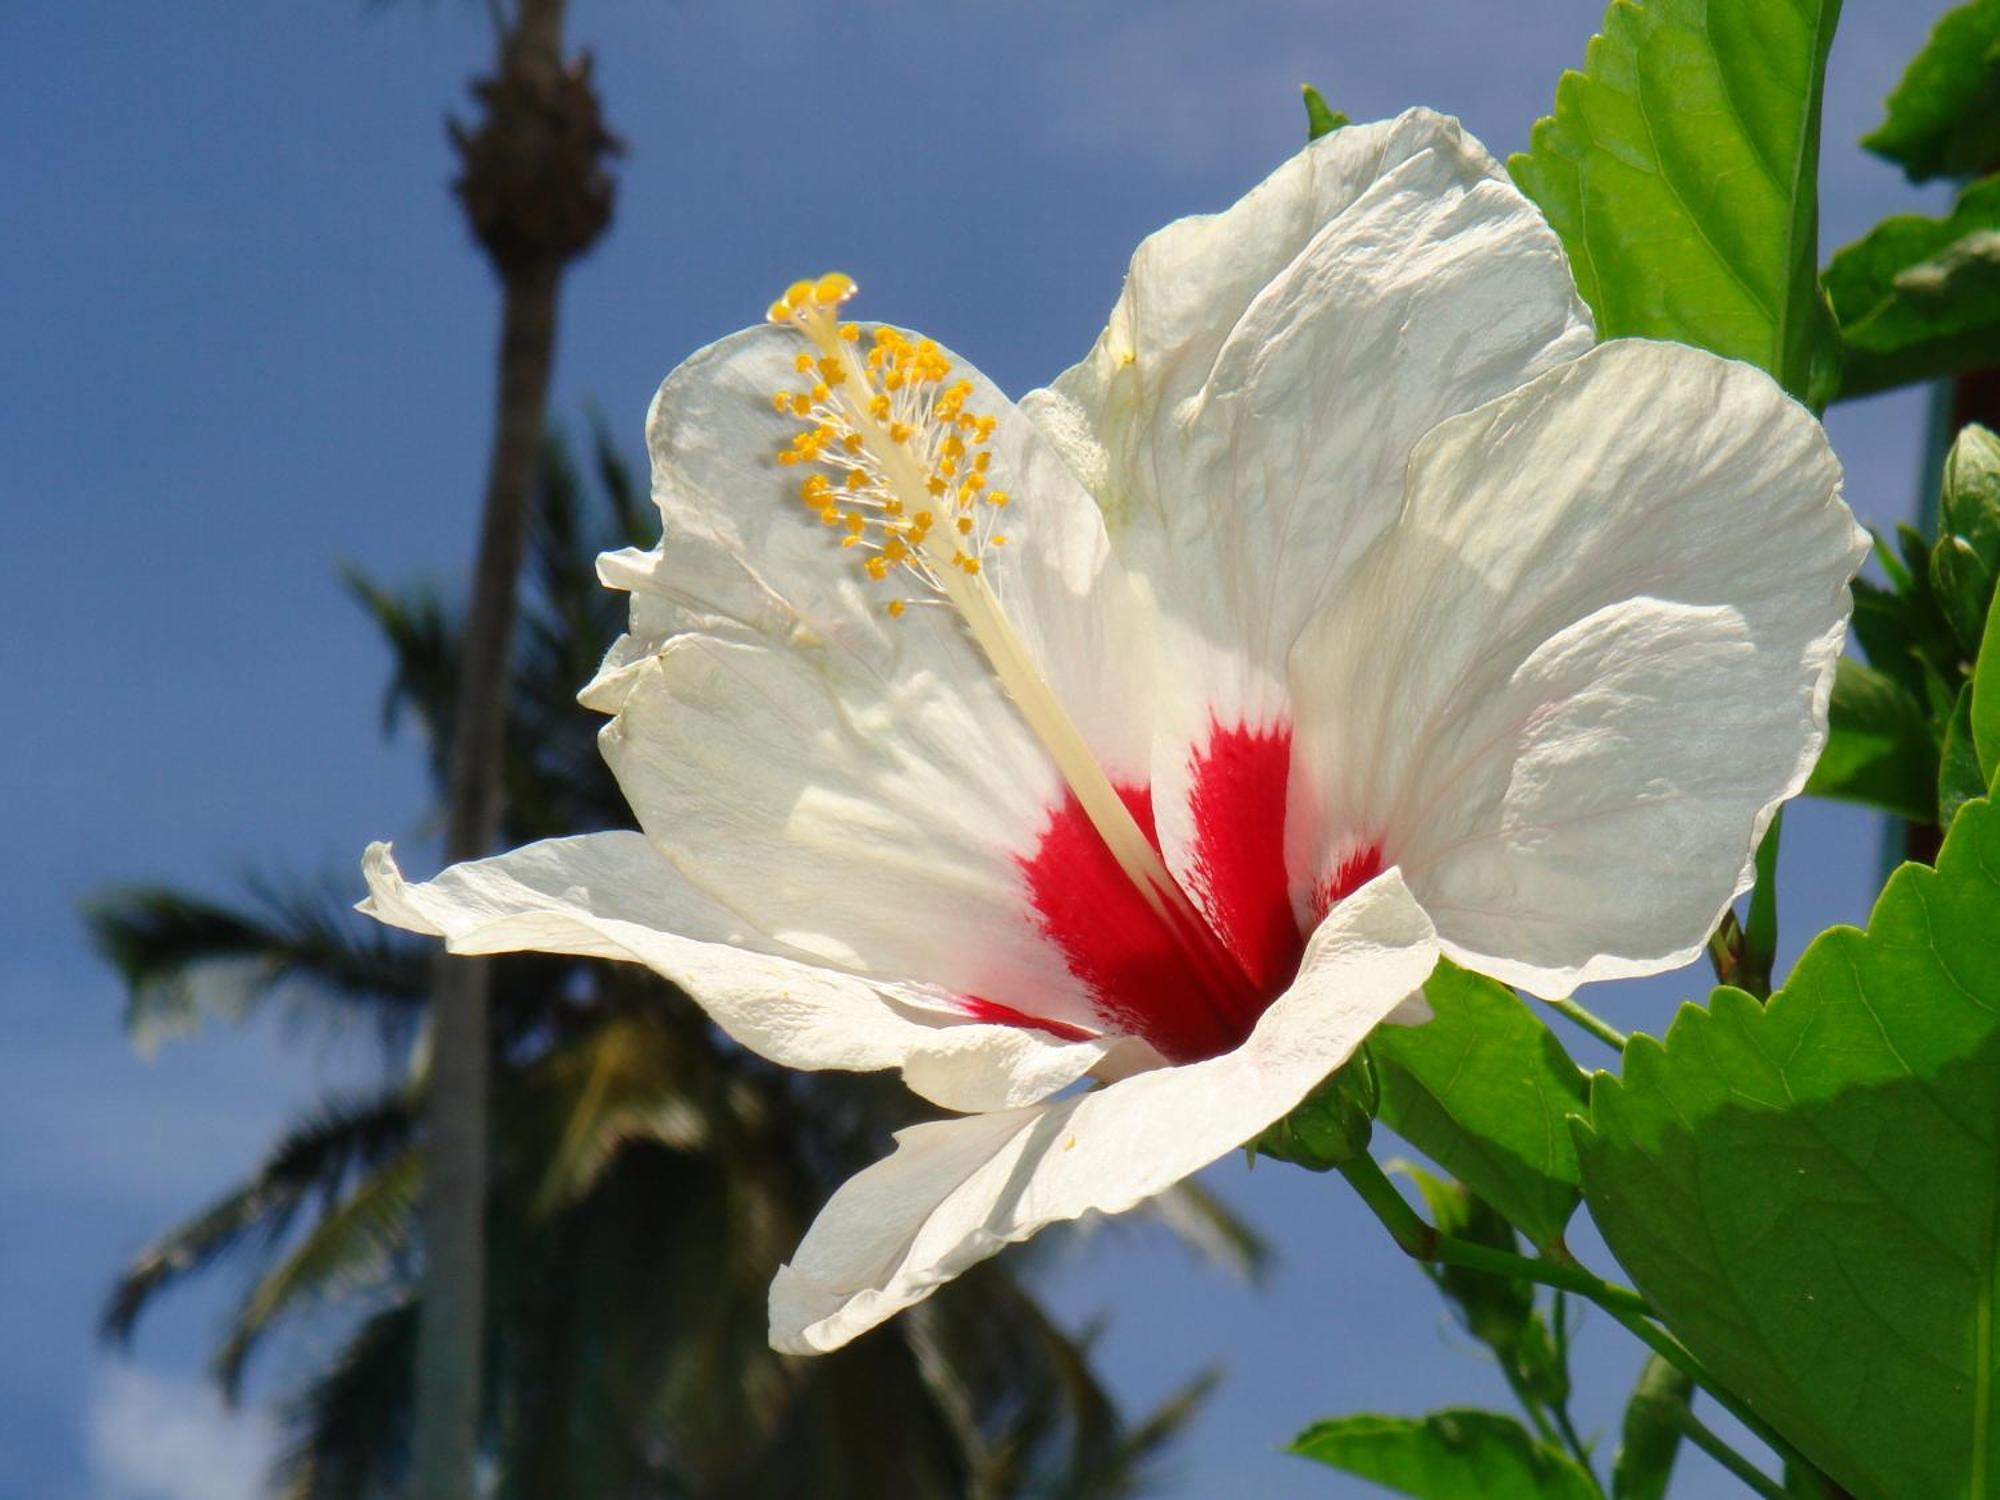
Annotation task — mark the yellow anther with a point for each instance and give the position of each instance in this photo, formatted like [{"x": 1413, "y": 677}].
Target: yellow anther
[
  {"x": 894, "y": 608},
  {"x": 878, "y": 407},
  {"x": 997, "y": 497},
  {"x": 965, "y": 526},
  {"x": 788, "y": 457},
  {"x": 894, "y": 550},
  {"x": 852, "y": 442},
  {"x": 877, "y": 568},
  {"x": 820, "y": 392},
  {"x": 983, "y": 428},
  {"x": 856, "y": 521},
  {"x": 778, "y": 312},
  {"x": 781, "y": 400},
  {"x": 953, "y": 447},
  {"x": 899, "y": 432},
  {"x": 815, "y": 486},
  {"x": 850, "y": 332},
  {"x": 981, "y": 462},
  {"x": 998, "y": 539},
  {"x": 832, "y": 289},
  {"x": 829, "y": 517},
  {"x": 849, "y": 541},
  {"x": 855, "y": 479},
  {"x": 892, "y": 506},
  {"x": 801, "y": 405},
  {"x": 798, "y": 294},
  {"x": 802, "y": 362},
  {"x": 935, "y": 485}
]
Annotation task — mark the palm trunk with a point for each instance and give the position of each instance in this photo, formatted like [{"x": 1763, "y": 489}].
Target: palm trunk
[
  {"x": 535, "y": 193},
  {"x": 450, "y": 1340}
]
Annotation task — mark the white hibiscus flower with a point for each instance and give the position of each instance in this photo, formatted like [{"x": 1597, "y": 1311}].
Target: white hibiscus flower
[{"x": 1344, "y": 608}]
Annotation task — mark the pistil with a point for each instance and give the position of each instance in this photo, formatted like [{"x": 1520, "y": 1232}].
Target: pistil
[{"x": 903, "y": 459}]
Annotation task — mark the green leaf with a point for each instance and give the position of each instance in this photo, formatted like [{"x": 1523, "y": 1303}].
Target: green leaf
[
  {"x": 1879, "y": 749},
  {"x": 1484, "y": 1089},
  {"x": 1677, "y": 99},
  {"x": 1985, "y": 718},
  {"x": 1944, "y": 117},
  {"x": 1449, "y": 1455},
  {"x": 1966, "y": 559},
  {"x": 1652, "y": 1436},
  {"x": 1321, "y": 119},
  {"x": 1918, "y": 298},
  {"x": 1959, "y": 778},
  {"x": 1809, "y": 1190}
]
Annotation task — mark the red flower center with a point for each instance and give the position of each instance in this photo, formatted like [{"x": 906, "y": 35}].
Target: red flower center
[{"x": 1192, "y": 989}]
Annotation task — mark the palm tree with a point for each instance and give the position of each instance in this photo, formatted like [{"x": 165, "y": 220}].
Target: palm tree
[
  {"x": 648, "y": 1175},
  {"x": 537, "y": 195}
]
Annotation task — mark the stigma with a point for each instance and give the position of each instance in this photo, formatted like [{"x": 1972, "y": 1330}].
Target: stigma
[{"x": 894, "y": 462}]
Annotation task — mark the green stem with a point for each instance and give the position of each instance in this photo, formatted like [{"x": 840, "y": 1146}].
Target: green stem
[
  {"x": 1697, "y": 1432},
  {"x": 1675, "y": 1353},
  {"x": 1420, "y": 1241},
  {"x": 1575, "y": 1443},
  {"x": 1596, "y": 1025}
]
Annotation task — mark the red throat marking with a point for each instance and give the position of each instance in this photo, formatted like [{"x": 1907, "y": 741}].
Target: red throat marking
[{"x": 1190, "y": 993}]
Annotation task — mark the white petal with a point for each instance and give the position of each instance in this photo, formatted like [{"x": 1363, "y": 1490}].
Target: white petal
[
  {"x": 610, "y": 896},
  {"x": 955, "y": 1192},
  {"x": 873, "y": 823},
  {"x": 1263, "y": 380},
  {"x": 1567, "y": 691},
  {"x": 740, "y": 548}
]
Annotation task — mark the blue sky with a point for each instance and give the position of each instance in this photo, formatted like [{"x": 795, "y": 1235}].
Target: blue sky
[{"x": 245, "y": 335}]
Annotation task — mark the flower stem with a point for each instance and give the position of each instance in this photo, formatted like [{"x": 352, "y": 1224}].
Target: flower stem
[
  {"x": 1420, "y": 1241},
  {"x": 1697, "y": 1432},
  {"x": 1596, "y": 1025}
]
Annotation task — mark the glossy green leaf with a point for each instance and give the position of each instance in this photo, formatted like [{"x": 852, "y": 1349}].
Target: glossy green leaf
[
  {"x": 1485, "y": 1090},
  {"x": 1651, "y": 1439},
  {"x": 1986, "y": 702},
  {"x": 1919, "y": 298},
  {"x": 1678, "y": 99},
  {"x": 1879, "y": 748},
  {"x": 1321, "y": 118},
  {"x": 1944, "y": 117},
  {"x": 1449, "y": 1455},
  {"x": 1959, "y": 778},
  {"x": 1809, "y": 1190}
]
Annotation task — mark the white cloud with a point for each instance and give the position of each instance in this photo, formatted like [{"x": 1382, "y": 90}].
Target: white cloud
[{"x": 163, "y": 1437}]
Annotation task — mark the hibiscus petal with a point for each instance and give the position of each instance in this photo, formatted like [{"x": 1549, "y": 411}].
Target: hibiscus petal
[
  {"x": 874, "y": 824},
  {"x": 611, "y": 896},
  {"x": 1263, "y": 379},
  {"x": 1568, "y": 689},
  {"x": 741, "y": 550},
  {"x": 955, "y": 1192}
]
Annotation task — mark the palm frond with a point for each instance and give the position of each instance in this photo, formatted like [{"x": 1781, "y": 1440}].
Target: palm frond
[
  {"x": 1213, "y": 1230},
  {"x": 311, "y": 1162},
  {"x": 347, "y": 1430},
  {"x": 184, "y": 957},
  {"x": 355, "y": 1245}
]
